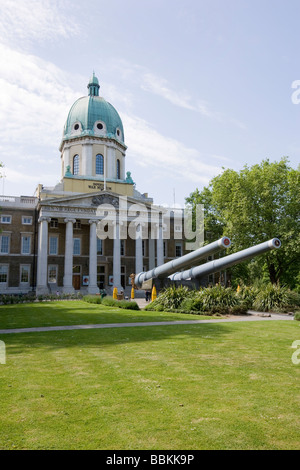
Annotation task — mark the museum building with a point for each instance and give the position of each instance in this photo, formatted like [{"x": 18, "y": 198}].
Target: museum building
[{"x": 75, "y": 236}]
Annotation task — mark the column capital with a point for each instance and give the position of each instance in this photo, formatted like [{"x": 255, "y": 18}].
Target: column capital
[
  {"x": 93, "y": 221},
  {"x": 44, "y": 218},
  {"x": 69, "y": 220}
]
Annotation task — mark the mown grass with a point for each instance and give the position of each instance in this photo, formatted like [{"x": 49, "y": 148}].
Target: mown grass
[
  {"x": 59, "y": 313},
  {"x": 204, "y": 386}
]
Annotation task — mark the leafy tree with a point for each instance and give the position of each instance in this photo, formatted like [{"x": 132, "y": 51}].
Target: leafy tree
[{"x": 254, "y": 205}]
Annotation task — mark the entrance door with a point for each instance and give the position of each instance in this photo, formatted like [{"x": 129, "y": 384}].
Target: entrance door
[
  {"x": 101, "y": 276},
  {"x": 76, "y": 277}
]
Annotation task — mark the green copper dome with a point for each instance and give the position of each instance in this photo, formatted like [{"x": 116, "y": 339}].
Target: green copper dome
[{"x": 92, "y": 115}]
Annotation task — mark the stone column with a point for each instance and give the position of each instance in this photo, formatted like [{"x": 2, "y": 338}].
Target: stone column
[
  {"x": 138, "y": 250},
  {"x": 160, "y": 244},
  {"x": 117, "y": 256},
  {"x": 93, "y": 288},
  {"x": 42, "y": 262},
  {"x": 68, "y": 273},
  {"x": 151, "y": 253}
]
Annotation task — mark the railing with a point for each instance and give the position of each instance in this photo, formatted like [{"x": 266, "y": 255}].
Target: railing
[{"x": 19, "y": 199}]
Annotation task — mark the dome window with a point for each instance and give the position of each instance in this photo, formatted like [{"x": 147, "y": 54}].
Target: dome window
[
  {"x": 99, "y": 128},
  {"x": 76, "y": 165},
  {"x": 119, "y": 134},
  {"x": 118, "y": 169},
  {"x": 76, "y": 128},
  {"x": 99, "y": 165}
]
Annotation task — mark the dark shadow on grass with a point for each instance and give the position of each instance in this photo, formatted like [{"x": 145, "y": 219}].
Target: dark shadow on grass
[
  {"x": 76, "y": 313},
  {"x": 103, "y": 338}
]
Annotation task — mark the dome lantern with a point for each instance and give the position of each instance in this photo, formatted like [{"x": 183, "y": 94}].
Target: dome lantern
[{"x": 93, "y": 85}]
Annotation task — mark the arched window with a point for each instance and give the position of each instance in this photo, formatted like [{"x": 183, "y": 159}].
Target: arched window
[
  {"x": 76, "y": 165},
  {"x": 99, "y": 165},
  {"x": 118, "y": 169}
]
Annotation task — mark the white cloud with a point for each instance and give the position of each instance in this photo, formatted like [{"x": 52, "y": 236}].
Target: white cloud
[
  {"x": 29, "y": 20},
  {"x": 149, "y": 149},
  {"x": 159, "y": 86},
  {"x": 34, "y": 99}
]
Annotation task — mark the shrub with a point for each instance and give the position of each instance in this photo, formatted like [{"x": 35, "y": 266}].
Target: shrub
[
  {"x": 155, "y": 306},
  {"x": 276, "y": 298},
  {"x": 92, "y": 299},
  {"x": 221, "y": 300},
  {"x": 240, "y": 309},
  {"x": 130, "y": 305},
  {"x": 247, "y": 295},
  {"x": 193, "y": 303},
  {"x": 210, "y": 300},
  {"x": 110, "y": 302},
  {"x": 297, "y": 316},
  {"x": 172, "y": 297},
  {"x": 218, "y": 299}
]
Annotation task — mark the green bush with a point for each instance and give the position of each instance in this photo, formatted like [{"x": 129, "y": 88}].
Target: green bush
[
  {"x": 210, "y": 300},
  {"x": 110, "y": 302},
  {"x": 92, "y": 299},
  {"x": 218, "y": 299},
  {"x": 130, "y": 305},
  {"x": 221, "y": 300},
  {"x": 172, "y": 297},
  {"x": 240, "y": 309},
  {"x": 193, "y": 303},
  {"x": 297, "y": 316},
  {"x": 155, "y": 306},
  {"x": 247, "y": 295},
  {"x": 276, "y": 298}
]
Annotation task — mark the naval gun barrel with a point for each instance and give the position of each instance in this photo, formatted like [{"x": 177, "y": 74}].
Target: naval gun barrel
[
  {"x": 226, "y": 262},
  {"x": 164, "y": 270}
]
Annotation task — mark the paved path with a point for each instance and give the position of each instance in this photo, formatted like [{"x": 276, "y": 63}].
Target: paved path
[{"x": 253, "y": 316}]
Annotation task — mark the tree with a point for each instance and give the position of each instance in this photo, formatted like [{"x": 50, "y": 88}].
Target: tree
[{"x": 254, "y": 205}]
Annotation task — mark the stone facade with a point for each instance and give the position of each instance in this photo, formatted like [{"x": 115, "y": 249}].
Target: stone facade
[{"x": 39, "y": 247}]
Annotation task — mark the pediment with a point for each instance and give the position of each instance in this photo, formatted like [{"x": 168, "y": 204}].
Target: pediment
[
  {"x": 83, "y": 200},
  {"x": 90, "y": 200}
]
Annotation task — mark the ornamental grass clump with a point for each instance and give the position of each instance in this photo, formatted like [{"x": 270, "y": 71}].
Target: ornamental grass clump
[
  {"x": 247, "y": 295},
  {"x": 219, "y": 299},
  {"x": 274, "y": 297},
  {"x": 171, "y": 298},
  {"x": 209, "y": 300}
]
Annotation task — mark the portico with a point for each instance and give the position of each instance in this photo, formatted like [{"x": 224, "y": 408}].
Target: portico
[{"x": 76, "y": 251}]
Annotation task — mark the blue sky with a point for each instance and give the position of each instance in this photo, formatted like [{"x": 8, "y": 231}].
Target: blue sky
[{"x": 199, "y": 85}]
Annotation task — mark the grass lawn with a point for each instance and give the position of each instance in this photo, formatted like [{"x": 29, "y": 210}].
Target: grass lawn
[
  {"x": 78, "y": 312},
  {"x": 203, "y": 386}
]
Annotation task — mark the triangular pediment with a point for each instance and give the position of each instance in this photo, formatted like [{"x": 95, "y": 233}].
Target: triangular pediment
[{"x": 90, "y": 200}]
